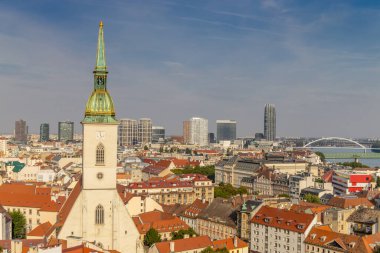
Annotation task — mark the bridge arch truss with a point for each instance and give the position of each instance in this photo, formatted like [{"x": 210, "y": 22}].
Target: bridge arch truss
[{"x": 335, "y": 138}]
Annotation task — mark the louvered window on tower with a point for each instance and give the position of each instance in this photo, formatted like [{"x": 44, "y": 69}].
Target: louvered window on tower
[
  {"x": 99, "y": 215},
  {"x": 100, "y": 154}
]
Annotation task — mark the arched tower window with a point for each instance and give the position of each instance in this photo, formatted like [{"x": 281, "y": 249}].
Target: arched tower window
[
  {"x": 100, "y": 154},
  {"x": 99, "y": 215}
]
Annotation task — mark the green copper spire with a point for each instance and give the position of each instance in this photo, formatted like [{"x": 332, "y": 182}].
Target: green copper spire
[
  {"x": 99, "y": 107},
  {"x": 100, "y": 54}
]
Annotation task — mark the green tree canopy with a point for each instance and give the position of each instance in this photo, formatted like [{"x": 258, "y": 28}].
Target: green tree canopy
[
  {"x": 210, "y": 250},
  {"x": 208, "y": 171},
  {"x": 181, "y": 234},
  {"x": 321, "y": 155},
  {"x": 18, "y": 225},
  {"x": 146, "y": 147},
  {"x": 354, "y": 165},
  {"x": 151, "y": 237},
  {"x": 227, "y": 190},
  {"x": 312, "y": 198}
]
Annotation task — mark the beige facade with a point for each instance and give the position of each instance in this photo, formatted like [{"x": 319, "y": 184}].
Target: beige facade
[
  {"x": 336, "y": 218},
  {"x": 215, "y": 229}
]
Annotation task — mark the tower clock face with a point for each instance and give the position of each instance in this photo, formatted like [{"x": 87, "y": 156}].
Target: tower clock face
[
  {"x": 99, "y": 175},
  {"x": 100, "y": 135}
]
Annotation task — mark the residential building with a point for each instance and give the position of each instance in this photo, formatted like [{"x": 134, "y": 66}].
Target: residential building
[
  {"x": 128, "y": 132},
  {"x": 158, "y": 134},
  {"x": 270, "y": 122},
  {"x": 324, "y": 239},
  {"x": 280, "y": 230},
  {"x": 232, "y": 244},
  {"x": 145, "y": 131},
  {"x": 187, "y": 132},
  {"x": 346, "y": 182},
  {"x": 186, "y": 245},
  {"x": 21, "y": 131},
  {"x": 198, "y": 129},
  {"x": 182, "y": 189},
  {"x": 225, "y": 130},
  {"x": 65, "y": 131},
  {"x": 3, "y": 146},
  {"x": 164, "y": 223},
  {"x": 44, "y": 132},
  {"x": 218, "y": 220},
  {"x": 364, "y": 221},
  {"x": 190, "y": 214}
]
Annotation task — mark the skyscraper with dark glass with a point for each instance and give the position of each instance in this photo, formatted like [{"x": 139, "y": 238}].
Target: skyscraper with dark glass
[
  {"x": 44, "y": 132},
  {"x": 21, "y": 131},
  {"x": 65, "y": 131},
  {"x": 270, "y": 122},
  {"x": 225, "y": 130}
]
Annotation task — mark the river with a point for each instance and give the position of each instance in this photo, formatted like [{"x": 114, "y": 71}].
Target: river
[{"x": 369, "y": 162}]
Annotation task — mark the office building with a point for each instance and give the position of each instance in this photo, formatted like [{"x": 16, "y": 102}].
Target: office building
[
  {"x": 259, "y": 136},
  {"x": 225, "y": 130},
  {"x": 186, "y": 132},
  {"x": 158, "y": 134},
  {"x": 127, "y": 134},
  {"x": 21, "y": 131},
  {"x": 270, "y": 122},
  {"x": 211, "y": 137},
  {"x": 44, "y": 132},
  {"x": 66, "y": 131},
  {"x": 145, "y": 130},
  {"x": 198, "y": 131}
]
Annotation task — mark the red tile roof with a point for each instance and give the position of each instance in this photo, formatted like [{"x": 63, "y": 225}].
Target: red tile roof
[
  {"x": 349, "y": 202},
  {"x": 43, "y": 230},
  {"x": 283, "y": 219},
  {"x": 229, "y": 243},
  {"x": 187, "y": 244},
  {"x": 66, "y": 208}
]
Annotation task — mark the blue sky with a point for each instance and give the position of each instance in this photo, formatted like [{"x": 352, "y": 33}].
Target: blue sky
[{"x": 317, "y": 61}]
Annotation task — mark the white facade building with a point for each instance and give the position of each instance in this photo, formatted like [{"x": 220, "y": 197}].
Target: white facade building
[{"x": 199, "y": 131}]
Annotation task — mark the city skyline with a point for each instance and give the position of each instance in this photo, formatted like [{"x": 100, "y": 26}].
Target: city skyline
[{"x": 292, "y": 54}]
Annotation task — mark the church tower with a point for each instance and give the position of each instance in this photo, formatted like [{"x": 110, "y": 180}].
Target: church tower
[
  {"x": 100, "y": 129},
  {"x": 94, "y": 211}
]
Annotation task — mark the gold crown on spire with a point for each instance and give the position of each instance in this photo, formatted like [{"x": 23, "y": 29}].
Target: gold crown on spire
[{"x": 101, "y": 23}]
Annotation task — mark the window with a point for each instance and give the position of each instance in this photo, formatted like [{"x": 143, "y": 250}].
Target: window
[
  {"x": 99, "y": 215},
  {"x": 100, "y": 154}
]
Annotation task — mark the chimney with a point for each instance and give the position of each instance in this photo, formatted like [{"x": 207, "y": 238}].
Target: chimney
[
  {"x": 186, "y": 236},
  {"x": 203, "y": 200},
  {"x": 172, "y": 246},
  {"x": 235, "y": 242}
]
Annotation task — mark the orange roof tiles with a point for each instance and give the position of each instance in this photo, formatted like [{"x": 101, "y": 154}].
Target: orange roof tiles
[
  {"x": 228, "y": 243},
  {"x": 42, "y": 230},
  {"x": 349, "y": 202},
  {"x": 283, "y": 219},
  {"x": 187, "y": 244}
]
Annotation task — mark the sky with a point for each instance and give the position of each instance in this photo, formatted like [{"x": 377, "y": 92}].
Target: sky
[{"x": 318, "y": 61}]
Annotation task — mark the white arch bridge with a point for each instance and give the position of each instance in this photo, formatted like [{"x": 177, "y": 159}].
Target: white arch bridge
[{"x": 344, "y": 155}]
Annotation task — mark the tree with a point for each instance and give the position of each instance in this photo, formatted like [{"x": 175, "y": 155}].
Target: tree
[
  {"x": 161, "y": 149},
  {"x": 146, "y": 147},
  {"x": 378, "y": 182},
  {"x": 210, "y": 250},
  {"x": 321, "y": 155},
  {"x": 227, "y": 190},
  {"x": 284, "y": 195},
  {"x": 151, "y": 237},
  {"x": 208, "y": 171},
  {"x": 181, "y": 234},
  {"x": 18, "y": 225},
  {"x": 354, "y": 165},
  {"x": 312, "y": 198},
  {"x": 188, "y": 151}
]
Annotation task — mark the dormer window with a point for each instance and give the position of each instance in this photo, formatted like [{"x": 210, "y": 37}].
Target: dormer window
[
  {"x": 352, "y": 244},
  {"x": 323, "y": 238},
  {"x": 313, "y": 236},
  {"x": 266, "y": 219},
  {"x": 300, "y": 226}
]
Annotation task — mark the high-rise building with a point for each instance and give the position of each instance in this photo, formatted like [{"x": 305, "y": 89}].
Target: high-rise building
[
  {"x": 211, "y": 137},
  {"x": 270, "y": 122},
  {"x": 21, "y": 131},
  {"x": 145, "y": 130},
  {"x": 225, "y": 130},
  {"x": 199, "y": 131},
  {"x": 186, "y": 131},
  {"x": 96, "y": 212},
  {"x": 128, "y": 133},
  {"x": 158, "y": 134},
  {"x": 66, "y": 131},
  {"x": 44, "y": 132}
]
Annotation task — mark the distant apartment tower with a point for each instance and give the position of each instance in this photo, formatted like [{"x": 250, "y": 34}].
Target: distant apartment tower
[
  {"x": 145, "y": 130},
  {"x": 128, "y": 132},
  {"x": 158, "y": 134},
  {"x": 21, "y": 131},
  {"x": 198, "y": 131},
  {"x": 44, "y": 132},
  {"x": 186, "y": 132},
  {"x": 225, "y": 130},
  {"x": 66, "y": 131},
  {"x": 270, "y": 122}
]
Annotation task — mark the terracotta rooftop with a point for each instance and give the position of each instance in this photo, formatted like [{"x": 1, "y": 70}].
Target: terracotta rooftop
[
  {"x": 283, "y": 219},
  {"x": 43, "y": 230},
  {"x": 187, "y": 244},
  {"x": 347, "y": 202},
  {"x": 229, "y": 244}
]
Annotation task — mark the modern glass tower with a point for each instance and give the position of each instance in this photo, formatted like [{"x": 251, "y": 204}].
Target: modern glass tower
[
  {"x": 44, "y": 132},
  {"x": 270, "y": 122},
  {"x": 66, "y": 131},
  {"x": 21, "y": 131},
  {"x": 225, "y": 130}
]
